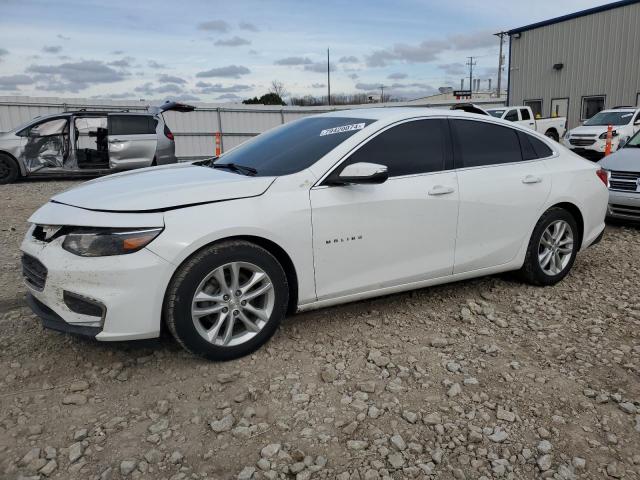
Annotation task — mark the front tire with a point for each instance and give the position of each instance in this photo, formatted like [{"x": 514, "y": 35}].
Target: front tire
[
  {"x": 227, "y": 300},
  {"x": 552, "y": 248},
  {"x": 9, "y": 170}
]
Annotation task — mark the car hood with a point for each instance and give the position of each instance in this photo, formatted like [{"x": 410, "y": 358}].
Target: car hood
[
  {"x": 162, "y": 188},
  {"x": 625, "y": 159},
  {"x": 586, "y": 130}
]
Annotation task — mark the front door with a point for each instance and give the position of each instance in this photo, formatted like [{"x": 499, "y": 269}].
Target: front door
[
  {"x": 132, "y": 140},
  {"x": 47, "y": 145},
  {"x": 367, "y": 237},
  {"x": 502, "y": 190}
]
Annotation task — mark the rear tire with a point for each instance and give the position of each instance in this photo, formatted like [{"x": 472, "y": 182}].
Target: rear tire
[
  {"x": 9, "y": 170},
  {"x": 552, "y": 134},
  {"x": 552, "y": 248},
  {"x": 226, "y": 300}
]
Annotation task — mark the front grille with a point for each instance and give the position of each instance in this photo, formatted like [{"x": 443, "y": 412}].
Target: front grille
[
  {"x": 628, "y": 210},
  {"x": 583, "y": 135},
  {"x": 34, "y": 272},
  {"x": 580, "y": 142},
  {"x": 624, "y": 181}
]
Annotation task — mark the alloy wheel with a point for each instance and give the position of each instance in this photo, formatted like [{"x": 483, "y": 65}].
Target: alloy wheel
[
  {"x": 233, "y": 304},
  {"x": 555, "y": 247}
]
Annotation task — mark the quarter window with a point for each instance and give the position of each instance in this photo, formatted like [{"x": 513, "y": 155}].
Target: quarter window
[
  {"x": 409, "y": 148},
  {"x": 482, "y": 143},
  {"x": 591, "y": 106},
  {"x": 532, "y": 148},
  {"x": 131, "y": 125}
]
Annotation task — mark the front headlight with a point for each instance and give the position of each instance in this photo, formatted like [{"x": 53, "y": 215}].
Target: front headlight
[
  {"x": 604, "y": 135},
  {"x": 567, "y": 135},
  {"x": 102, "y": 242}
]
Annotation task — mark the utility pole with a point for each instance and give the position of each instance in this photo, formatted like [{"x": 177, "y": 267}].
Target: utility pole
[
  {"x": 328, "y": 79},
  {"x": 471, "y": 64},
  {"x": 381, "y": 93},
  {"x": 500, "y": 35}
]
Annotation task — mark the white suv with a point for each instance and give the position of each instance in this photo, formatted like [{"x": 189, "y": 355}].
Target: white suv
[{"x": 590, "y": 139}]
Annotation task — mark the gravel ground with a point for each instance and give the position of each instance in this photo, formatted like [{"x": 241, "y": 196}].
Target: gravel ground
[{"x": 475, "y": 380}]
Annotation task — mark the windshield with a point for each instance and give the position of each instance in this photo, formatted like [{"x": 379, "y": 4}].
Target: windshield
[
  {"x": 609, "y": 118},
  {"x": 496, "y": 113},
  {"x": 292, "y": 147},
  {"x": 634, "y": 142}
]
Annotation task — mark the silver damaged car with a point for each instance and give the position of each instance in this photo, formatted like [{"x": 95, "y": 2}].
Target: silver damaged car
[
  {"x": 623, "y": 172},
  {"x": 88, "y": 143}
]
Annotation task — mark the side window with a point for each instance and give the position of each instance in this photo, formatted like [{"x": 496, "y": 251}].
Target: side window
[
  {"x": 480, "y": 143},
  {"x": 532, "y": 148},
  {"x": 57, "y": 126},
  {"x": 512, "y": 116},
  {"x": 413, "y": 147},
  {"x": 131, "y": 124},
  {"x": 524, "y": 113}
]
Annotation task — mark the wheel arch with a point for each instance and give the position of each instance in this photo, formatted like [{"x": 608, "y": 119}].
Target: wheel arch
[
  {"x": 575, "y": 213},
  {"x": 21, "y": 168},
  {"x": 274, "y": 249},
  {"x": 554, "y": 131}
]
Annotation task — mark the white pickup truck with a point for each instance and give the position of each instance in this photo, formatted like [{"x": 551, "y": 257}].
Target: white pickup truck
[{"x": 553, "y": 127}]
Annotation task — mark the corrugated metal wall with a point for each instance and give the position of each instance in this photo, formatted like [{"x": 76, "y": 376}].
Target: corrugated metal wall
[
  {"x": 600, "y": 53},
  {"x": 194, "y": 131}
]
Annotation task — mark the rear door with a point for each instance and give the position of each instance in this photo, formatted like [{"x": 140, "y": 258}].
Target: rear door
[
  {"x": 526, "y": 120},
  {"x": 503, "y": 188},
  {"x": 132, "y": 140}
]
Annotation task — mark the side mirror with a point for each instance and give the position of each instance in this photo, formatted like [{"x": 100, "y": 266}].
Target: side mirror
[
  {"x": 361, "y": 173},
  {"x": 637, "y": 122}
]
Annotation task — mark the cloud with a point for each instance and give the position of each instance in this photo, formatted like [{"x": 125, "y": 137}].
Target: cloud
[
  {"x": 397, "y": 76},
  {"x": 349, "y": 59},
  {"x": 74, "y": 76},
  {"x": 428, "y": 50},
  {"x": 353, "y": 76},
  {"x": 149, "y": 89},
  {"x": 3, "y": 52},
  {"x": 164, "y": 78},
  {"x": 52, "y": 49},
  {"x": 231, "y": 71},
  {"x": 117, "y": 96},
  {"x": 156, "y": 65},
  {"x": 232, "y": 42},
  {"x": 455, "y": 68},
  {"x": 124, "y": 62},
  {"x": 117, "y": 52},
  {"x": 214, "y": 26},
  {"x": 229, "y": 96},
  {"x": 318, "y": 85},
  {"x": 206, "y": 87},
  {"x": 291, "y": 61},
  {"x": 12, "y": 82},
  {"x": 368, "y": 86},
  {"x": 63, "y": 37},
  {"x": 319, "y": 67},
  {"x": 248, "y": 26},
  {"x": 252, "y": 52}
]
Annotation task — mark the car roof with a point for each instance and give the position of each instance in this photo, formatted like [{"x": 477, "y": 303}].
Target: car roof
[{"x": 399, "y": 113}]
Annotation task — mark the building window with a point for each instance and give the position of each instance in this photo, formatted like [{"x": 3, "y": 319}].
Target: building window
[
  {"x": 535, "y": 106},
  {"x": 591, "y": 106}
]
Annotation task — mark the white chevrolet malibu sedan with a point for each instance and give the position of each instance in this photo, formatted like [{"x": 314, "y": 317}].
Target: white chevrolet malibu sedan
[{"x": 321, "y": 211}]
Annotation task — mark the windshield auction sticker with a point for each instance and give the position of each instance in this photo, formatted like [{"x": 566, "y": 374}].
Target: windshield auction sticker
[{"x": 343, "y": 128}]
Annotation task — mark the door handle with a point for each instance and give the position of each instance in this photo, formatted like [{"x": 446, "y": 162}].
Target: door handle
[
  {"x": 531, "y": 179},
  {"x": 441, "y": 190},
  {"x": 115, "y": 140}
]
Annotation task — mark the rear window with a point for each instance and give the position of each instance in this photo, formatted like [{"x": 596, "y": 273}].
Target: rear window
[
  {"x": 294, "y": 146},
  {"x": 132, "y": 124}
]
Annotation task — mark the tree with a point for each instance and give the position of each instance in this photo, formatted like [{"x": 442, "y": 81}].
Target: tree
[
  {"x": 266, "y": 99},
  {"x": 277, "y": 87}
]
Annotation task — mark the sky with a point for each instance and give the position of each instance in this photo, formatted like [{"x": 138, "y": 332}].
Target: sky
[{"x": 226, "y": 51}]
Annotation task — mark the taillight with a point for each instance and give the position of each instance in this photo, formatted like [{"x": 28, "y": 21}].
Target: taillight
[
  {"x": 604, "y": 176},
  {"x": 168, "y": 133}
]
